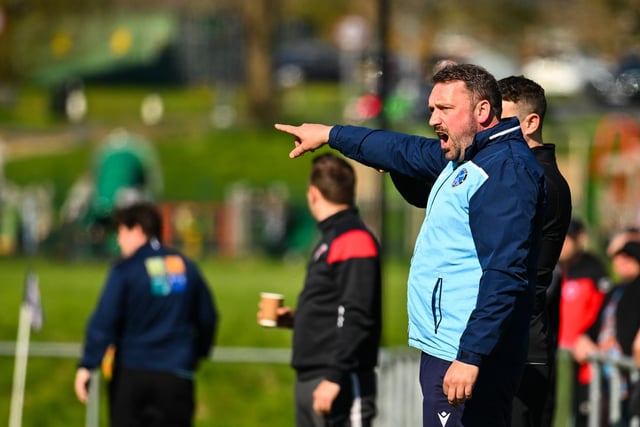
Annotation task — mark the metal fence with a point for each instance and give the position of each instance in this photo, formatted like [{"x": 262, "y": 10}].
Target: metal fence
[
  {"x": 620, "y": 369},
  {"x": 399, "y": 397},
  {"x": 399, "y": 394}
]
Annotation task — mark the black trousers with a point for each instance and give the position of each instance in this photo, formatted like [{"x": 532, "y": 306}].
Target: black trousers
[
  {"x": 355, "y": 405},
  {"x": 139, "y": 398},
  {"x": 534, "y": 403}
]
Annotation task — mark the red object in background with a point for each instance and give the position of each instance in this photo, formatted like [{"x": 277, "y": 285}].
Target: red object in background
[
  {"x": 368, "y": 106},
  {"x": 584, "y": 373},
  {"x": 580, "y": 302}
]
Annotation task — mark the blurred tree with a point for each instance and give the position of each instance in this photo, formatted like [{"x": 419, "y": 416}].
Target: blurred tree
[
  {"x": 324, "y": 15},
  {"x": 8, "y": 12},
  {"x": 609, "y": 27},
  {"x": 260, "y": 17}
]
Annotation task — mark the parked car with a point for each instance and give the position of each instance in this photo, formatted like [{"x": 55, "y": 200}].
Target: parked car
[
  {"x": 621, "y": 86},
  {"x": 296, "y": 61}
]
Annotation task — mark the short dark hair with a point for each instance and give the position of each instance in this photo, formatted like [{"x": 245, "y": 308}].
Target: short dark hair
[
  {"x": 144, "y": 214},
  {"x": 524, "y": 92},
  {"x": 631, "y": 249},
  {"x": 480, "y": 82},
  {"x": 576, "y": 227},
  {"x": 334, "y": 177}
]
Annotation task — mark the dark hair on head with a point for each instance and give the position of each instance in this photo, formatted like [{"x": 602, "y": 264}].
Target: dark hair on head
[
  {"x": 334, "y": 177},
  {"x": 479, "y": 82},
  {"x": 144, "y": 214},
  {"x": 528, "y": 94},
  {"x": 630, "y": 249},
  {"x": 576, "y": 226}
]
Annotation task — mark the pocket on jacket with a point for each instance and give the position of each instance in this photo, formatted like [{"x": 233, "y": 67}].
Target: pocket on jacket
[{"x": 436, "y": 308}]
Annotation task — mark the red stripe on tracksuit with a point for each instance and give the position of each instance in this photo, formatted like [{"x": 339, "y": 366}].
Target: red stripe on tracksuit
[{"x": 352, "y": 244}]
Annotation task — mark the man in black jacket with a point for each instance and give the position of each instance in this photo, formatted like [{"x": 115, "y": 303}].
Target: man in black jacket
[
  {"x": 534, "y": 402},
  {"x": 337, "y": 323}
]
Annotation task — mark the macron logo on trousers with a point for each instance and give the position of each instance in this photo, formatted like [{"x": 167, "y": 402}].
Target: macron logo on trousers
[{"x": 444, "y": 417}]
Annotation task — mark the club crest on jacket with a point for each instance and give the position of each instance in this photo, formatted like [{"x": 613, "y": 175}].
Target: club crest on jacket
[
  {"x": 460, "y": 177},
  {"x": 321, "y": 250}
]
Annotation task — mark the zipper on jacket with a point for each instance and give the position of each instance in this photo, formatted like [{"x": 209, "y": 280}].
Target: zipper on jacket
[
  {"x": 433, "y": 199},
  {"x": 436, "y": 308}
]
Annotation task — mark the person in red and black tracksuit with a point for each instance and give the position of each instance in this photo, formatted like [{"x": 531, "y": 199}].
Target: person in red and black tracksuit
[
  {"x": 616, "y": 332},
  {"x": 337, "y": 322},
  {"x": 585, "y": 281}
]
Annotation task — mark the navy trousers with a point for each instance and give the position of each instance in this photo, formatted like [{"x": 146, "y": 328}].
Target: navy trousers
[{"x": 490, "y": 404}]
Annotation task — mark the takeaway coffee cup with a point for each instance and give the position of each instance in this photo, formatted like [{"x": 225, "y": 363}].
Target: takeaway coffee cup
[{"x": 269, "y": 304}]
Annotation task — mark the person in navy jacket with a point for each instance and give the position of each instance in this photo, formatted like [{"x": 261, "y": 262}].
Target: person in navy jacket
[
  {"x": 472, "y": 279},
  {"x": 535, "y": 400},
  {"x": 158, "y": 312}
]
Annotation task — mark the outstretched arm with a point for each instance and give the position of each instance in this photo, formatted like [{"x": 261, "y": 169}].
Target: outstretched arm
[
  {"x": 308, "y": 137},
  {"x": 410, "y": 155}
]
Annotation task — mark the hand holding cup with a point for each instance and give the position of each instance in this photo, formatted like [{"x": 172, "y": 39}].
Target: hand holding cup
[{"x": 269, "y": 304}]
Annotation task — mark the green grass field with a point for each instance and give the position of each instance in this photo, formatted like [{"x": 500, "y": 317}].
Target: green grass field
[{"x": 229, "y": 394}]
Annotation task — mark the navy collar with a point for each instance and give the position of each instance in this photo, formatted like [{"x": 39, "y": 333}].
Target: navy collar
[{"x": 506, "y": 129}]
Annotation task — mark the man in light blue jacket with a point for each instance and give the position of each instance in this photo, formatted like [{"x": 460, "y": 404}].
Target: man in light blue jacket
[{"x": 473, "y": 272}]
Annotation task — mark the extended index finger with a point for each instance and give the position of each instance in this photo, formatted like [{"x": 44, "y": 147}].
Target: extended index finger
[
  {"x": 299, "y": 150},
  {"x": 286, "y": 128}
]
